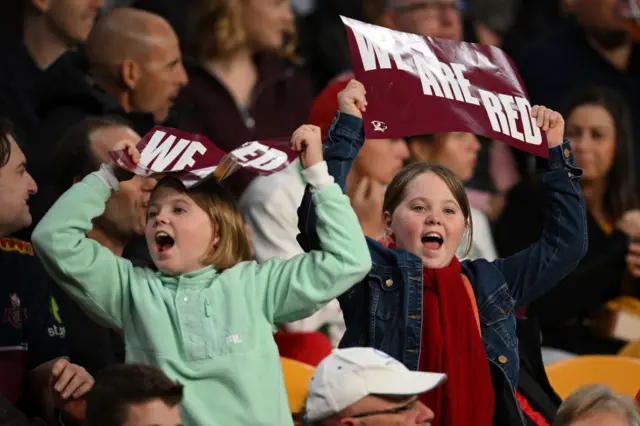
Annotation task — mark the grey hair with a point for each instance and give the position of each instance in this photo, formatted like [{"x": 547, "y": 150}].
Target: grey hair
[{"x": 592, "y": 399}]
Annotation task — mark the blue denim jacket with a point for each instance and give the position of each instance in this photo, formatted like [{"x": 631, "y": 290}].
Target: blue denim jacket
[{"x": 385, "y": 309}]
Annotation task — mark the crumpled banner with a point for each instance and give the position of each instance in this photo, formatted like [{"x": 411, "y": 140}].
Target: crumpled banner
[
  {"x": 421, "y": 85},
  {"x": 192, "y": 158}
]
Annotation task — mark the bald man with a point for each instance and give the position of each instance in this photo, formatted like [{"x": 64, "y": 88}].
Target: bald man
[{"x": 134, "y": 71}]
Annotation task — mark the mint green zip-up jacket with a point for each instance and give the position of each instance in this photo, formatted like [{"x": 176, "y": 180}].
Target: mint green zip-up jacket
[{"x": 211, "y": 331}]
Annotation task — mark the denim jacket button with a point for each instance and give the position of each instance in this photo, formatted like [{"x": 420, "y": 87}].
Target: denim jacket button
[
  {"x": 502, "y": 359},
  {"x": 566, "y": 152},
  {"x": 388, "y": 283}
]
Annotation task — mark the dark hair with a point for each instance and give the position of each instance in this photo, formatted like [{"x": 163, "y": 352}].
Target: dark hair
[
  {"x": 120, "y": 385},
  {"x": 619, "y": 195},
  {"x": 217, "y": 202},
  {"x": 74, "y": 158},
  {"x": 6, "y": 131}
]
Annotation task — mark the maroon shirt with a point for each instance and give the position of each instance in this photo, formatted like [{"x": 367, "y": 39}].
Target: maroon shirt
[{"x": 280, "y": 103}]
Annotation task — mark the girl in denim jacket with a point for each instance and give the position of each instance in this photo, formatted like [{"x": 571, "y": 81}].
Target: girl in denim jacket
[{"x": 432, "y": 312}]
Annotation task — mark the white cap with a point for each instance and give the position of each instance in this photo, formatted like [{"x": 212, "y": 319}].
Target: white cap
[{"x": 348, "y": 375}]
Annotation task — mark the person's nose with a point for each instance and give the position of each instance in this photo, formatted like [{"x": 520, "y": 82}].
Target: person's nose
[
  {"x": 424, "y": 414},
  {"x": 183, "y": 78},
  {"x": 32, "y": 186},
  {"x": 403, "y": 149},
  {"x": 161, "y": 217},
  {"x": 475, "y": 143},
  {"x": 288, "y": 17},
  {"x": 433, "y": 217}
]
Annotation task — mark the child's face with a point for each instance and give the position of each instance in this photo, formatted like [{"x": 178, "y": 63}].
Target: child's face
[
  {"x": 428, "y": 222},
  {"x": 179, "y": 233}
]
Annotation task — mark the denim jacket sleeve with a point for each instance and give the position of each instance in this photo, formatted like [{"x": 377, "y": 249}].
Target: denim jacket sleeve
[
  {"x": 535, "y": 270},
  {"x": 346, "y": 138}
]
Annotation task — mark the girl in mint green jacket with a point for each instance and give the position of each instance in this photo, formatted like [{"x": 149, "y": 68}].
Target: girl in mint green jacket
[{"x": 207, "y": 317}]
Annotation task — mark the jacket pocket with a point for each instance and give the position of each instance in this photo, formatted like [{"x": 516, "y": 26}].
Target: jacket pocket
[
  {"x": 497, "y": 307},
  {"x": 384, "y": 296}
]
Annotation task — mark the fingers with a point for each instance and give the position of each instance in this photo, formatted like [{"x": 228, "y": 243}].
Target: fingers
[
  {"x": 64, "y": 378},
  {"x": 59, "y": 367},
  {"x": 74, "y": 385},
  {"x": 134, "y": 153},
  {"x": 303, "y": 135},
  {"x": 546, "y": 118}
]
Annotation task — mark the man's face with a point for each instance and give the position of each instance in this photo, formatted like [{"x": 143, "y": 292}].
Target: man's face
[
  {"x": 378, "y": 411},
  {"x": 428, "y": 18},
  {"x": 125, "y": 211},
  {"x": 153, "y": 413},
  {"x": 16, "y": 186},
  {"x": 162, "y": 74},
  {"x": 73, "y": 19},
  {"x": 601, "y": 15}
]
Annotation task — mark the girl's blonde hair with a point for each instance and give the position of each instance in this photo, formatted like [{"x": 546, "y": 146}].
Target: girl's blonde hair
[
  {"x": 234, "y": 245},
  {"x": 593, "y": 399},
  {"x": 395, "y": 193},
  {"x": 218, "y": 32}
]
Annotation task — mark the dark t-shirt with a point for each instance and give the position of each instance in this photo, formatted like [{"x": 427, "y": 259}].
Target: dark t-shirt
[{"x": 31, "y": 332}]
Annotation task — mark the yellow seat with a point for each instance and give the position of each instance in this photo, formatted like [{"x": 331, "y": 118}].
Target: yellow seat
[
  {"x": 621, "y": 374},
  {"x": 296, "y": 380}
]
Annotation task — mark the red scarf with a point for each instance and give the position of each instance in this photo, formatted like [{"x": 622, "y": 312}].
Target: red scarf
[{"x": 451, "y": 344}]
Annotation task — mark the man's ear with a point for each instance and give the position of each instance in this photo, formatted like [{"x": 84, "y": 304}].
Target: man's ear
[
  {"x": 41, "y": 6},
  {"x": 348, "y": 422},
  {"x": 130, "y": 73}
]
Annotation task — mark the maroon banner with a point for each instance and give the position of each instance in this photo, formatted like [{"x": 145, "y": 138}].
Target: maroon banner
[
  {"x": 192, "y": 158},
  {"x": 422, "y": 85}
]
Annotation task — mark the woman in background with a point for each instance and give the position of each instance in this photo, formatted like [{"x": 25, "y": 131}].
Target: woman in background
[
  {"x": 245, "y": 83},
  {"x": 599, "y": 127}
]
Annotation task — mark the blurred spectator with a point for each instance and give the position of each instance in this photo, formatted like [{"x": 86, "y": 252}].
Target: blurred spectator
[
  {"x": 595, "y": 49},
  {"x": 488, "y": 21},
  {"x": 245, "y": 85},
  {"x": 596, "y": 405},
  {"x": 323, "y": 40},
  {"x": 136, "y": 72},
  {"x": 85, "y": 146},
  {"x": 46, "y": 31},
  {"x": 32, "y": 336},
  {"x": 428, "y": 18},
  {"x": 458, "y": 152},
  {"x": 533, "y": 20},
  {"x": 598, "y": 125},
  {"x": 134, "y": 395},
  {"x": 365, "y": 383}
]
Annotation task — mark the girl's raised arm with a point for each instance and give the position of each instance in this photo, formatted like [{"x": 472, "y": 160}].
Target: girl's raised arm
[
  {"x": 536, "y": 269},
  {"x": 293, "y": 289},
  {"x": 94, "y": 277}
]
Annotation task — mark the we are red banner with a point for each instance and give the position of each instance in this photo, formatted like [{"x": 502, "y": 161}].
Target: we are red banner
[
  {"x": 421, "y": 85},
  {"x": 192, "y": 158}
]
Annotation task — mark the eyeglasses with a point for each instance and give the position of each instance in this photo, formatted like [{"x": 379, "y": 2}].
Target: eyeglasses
[
  {"x": 398, "y": 410},
  {"x": 431, "y": 7}
]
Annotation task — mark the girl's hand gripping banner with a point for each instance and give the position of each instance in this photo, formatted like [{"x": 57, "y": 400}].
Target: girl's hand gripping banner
[
  {"x": 192, "y": 158},
  {"x": 421, "y": 85}
]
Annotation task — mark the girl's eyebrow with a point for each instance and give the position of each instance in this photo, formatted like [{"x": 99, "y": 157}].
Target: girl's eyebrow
[{"x": 447, "y": 201}]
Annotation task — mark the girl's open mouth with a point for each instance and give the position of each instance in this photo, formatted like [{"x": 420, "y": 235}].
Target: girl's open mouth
[
  {"x": 164, "y": 241},
  {"x": 432, "y": 241}
]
